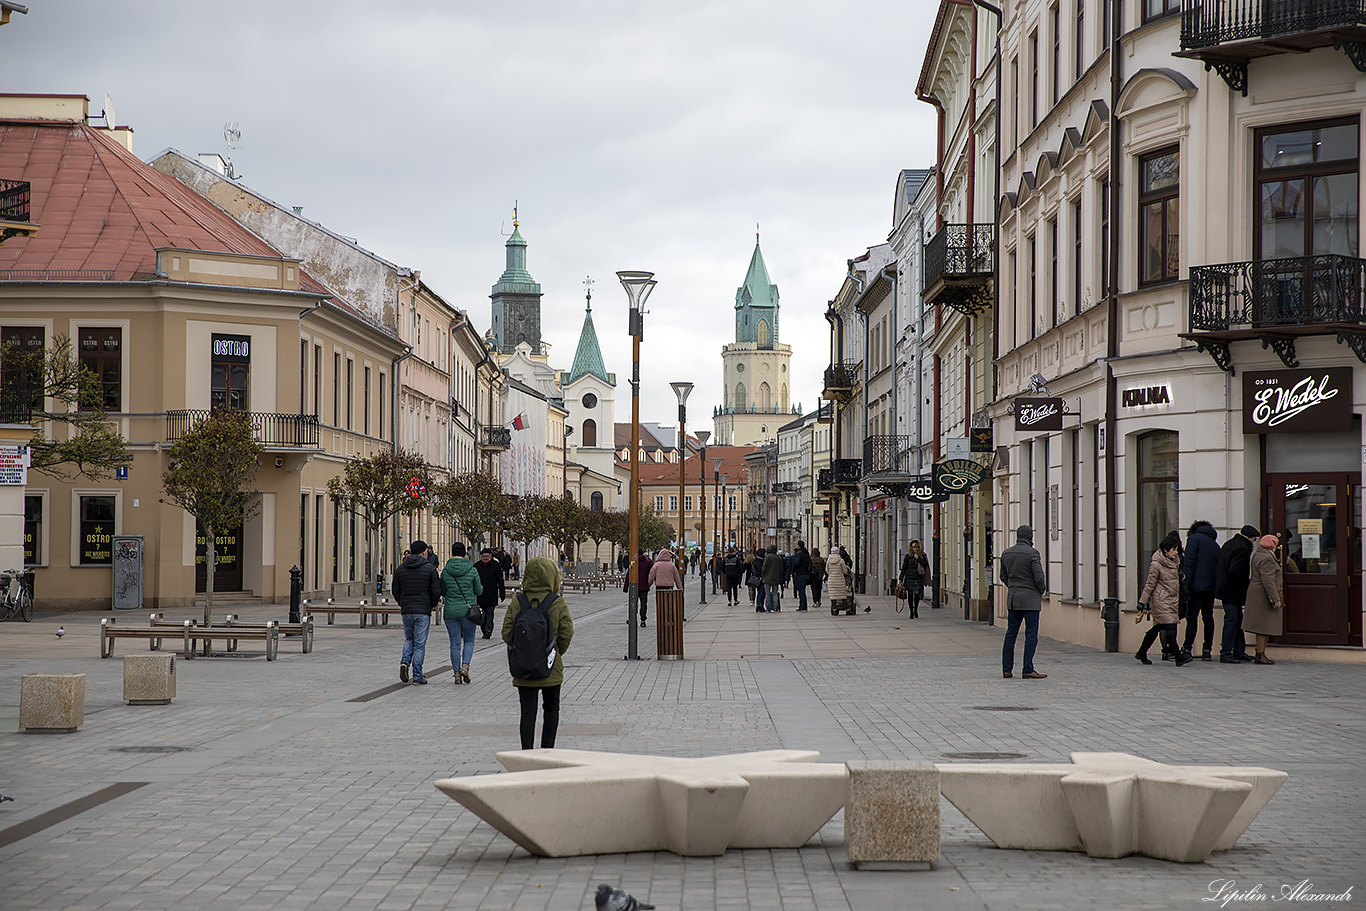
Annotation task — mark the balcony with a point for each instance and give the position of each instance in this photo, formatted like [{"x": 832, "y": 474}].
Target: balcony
[
  {"x": 787, "y": 487},
  {"x": 792, "y": 524},
  {"x": 839, "y": 381},
  {"x": 497, "y": 439},
  {"x": 959, "y": 264},
  {"x": 1277, "y": 301},
  {"x": 845, "y": 473},
  {"x": 273, "y": 431},
  {"x": 14, "y": 212},
  {"x": 825, "y": 481},
  {"x": 1226, "y": 34},
  {"x": 886, "y": 462}
]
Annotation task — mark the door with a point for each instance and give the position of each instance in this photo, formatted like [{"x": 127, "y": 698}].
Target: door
[
  {"x": 1318, "y": 555},
  {"x": 227, "y": 575}
]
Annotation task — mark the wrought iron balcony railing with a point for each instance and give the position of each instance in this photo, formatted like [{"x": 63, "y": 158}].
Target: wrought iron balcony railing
[
  {"x": 497, "y": 437},
  {"x": 14, "y": 200},
  {"x": 789, "y": 523},
  {"x": 271, "y": 430},
  {"x": 846, "y": 472},
  {"x": 1297, "y": 291},
  {"x": 884, "y": 455},
  {"x": 840, "y": 379},
  {"x": 787, "y": 487},
  {"x": 959, "y": 263},
  {"x": 825, "y": 480}
]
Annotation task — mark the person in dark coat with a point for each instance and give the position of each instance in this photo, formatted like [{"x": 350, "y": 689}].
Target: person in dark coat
[
  {"x": 733, "y": 567},
  {"x": 817, "y": 576},
  {"x": 433, "y": 559},
  {"x": 1200, "y": 567},
  {"x": 1230, "y": 587},
  {"x": 505, "y": 561},
  {"x": 492, "y": 579},
  {"x": 773, "y": 571},
  {"x": 643, "y": 565},
  {"x": 801, "y": 573},
  {"x": 915, "y": 570},
  {"x": 754, "y": 579},
  {"x": 1023, "y": 576},
  {"x": 417, "y": 589}
]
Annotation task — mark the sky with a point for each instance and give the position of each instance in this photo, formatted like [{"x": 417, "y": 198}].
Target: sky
[{"x": 631, "y": 135}]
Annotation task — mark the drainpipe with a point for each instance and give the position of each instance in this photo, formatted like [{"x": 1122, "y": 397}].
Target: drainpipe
[
  {"x": 890, "y": 273},
  {"x": 393, "y": 416},
  {"x": 836, "y": 322},
  {"x": 1110, "y": 610}
]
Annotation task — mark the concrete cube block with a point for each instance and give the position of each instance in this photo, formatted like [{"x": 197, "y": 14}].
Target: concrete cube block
[
  {"x": 891, "y": 819},
  {"x": 149, "y": 679},
  {"x": 51, "y": 703}
]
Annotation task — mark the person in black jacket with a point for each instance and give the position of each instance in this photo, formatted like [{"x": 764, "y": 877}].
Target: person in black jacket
[
  {"x": 1233, "y": 573},
  {"x": 491, "y": 576},
  {"x": 417, "y": 589},
  {"x": 733, "y": 567},
  {"x": 915, "y": 569},
  {"x": 801, "y": 572},
  {"x": 1200, "y": 569}
]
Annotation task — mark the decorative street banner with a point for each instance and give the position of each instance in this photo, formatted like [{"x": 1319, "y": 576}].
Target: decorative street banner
[
  {"x": 1297, "y": 401},
  {"x": 923, "y": 489},
  {"x": 1038, "y": 414},
  {"x": 957, "y": 475}
]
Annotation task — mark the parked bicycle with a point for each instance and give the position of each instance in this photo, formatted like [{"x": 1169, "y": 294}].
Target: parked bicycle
[{"x": 16, "y": 595}]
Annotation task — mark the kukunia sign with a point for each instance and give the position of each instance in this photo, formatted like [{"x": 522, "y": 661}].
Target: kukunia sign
[{"x": 1297, "y": 401}]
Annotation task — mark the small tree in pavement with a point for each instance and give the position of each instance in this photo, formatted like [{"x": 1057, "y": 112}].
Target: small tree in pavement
[
  {"x": 209, "y": 475},
  {"x": 377, "y": 488},
  {"x": 474, "y": 501}
]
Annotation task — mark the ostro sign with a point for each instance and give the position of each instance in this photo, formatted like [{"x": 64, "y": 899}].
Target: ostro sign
[{"x": 1297, "y": 401}]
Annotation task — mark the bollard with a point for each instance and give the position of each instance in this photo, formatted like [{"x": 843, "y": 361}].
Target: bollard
[
  {"x": 1110, "y": 614},
  {"x": 296, "y": 592}
]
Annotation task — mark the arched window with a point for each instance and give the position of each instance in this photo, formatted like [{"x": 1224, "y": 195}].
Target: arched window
[
  {"x": 765, "y": 402},
  {"x": 762, "y": 333},
  {"x": 590, "y": 434},
  {"x": 596, "y": 501},
  {"x": 739, "y": 396},
  {"x": 783, "y": 400}
]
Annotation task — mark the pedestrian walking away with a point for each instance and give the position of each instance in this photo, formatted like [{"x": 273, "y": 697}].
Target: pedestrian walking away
[
  {"x": 417, "y": 589},
  {"x": 1264, "y": 612},
  {"x": 754, "y": 581},
  {"x": 491, "y": 576},
  {"x": 816, "y": 576},
  {"x": 1232, "y": 576},
  {"x": 915, "y": 569},
  {"x": 462, "y": 586},
  {"x": 664, "y": 575},
  {"x": 642, "y": 571},
  {"x": 1023, "y": 576},
  {"x": 773, "y": 571},
  {"x": 734, "y": 568},
  {"x": 516, "y": 564},
  {"x": 801, "y": 573},
  {"x": 1200, "y": 572},
  {"x": 841, "y": 579},
  {"x": 1162, "y": 599},
  {"x": 541, "y": 581}
]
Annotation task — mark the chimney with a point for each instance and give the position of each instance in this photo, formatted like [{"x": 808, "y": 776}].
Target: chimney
[{"x": 214, "y": 162}]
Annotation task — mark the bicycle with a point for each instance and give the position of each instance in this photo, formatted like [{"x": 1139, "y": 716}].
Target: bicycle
[{"x": 16, "y": 600}]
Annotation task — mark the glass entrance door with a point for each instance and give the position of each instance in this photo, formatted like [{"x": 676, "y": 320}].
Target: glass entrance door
[{"x": 1312, "y": 513}]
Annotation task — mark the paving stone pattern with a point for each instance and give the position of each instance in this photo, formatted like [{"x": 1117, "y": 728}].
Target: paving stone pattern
[{"x": 290, "y": 796}]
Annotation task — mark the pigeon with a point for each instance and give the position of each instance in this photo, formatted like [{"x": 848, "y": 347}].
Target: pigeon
[
  {"x": 609, "y": 899},
  {"x": 61, "y": 631}
]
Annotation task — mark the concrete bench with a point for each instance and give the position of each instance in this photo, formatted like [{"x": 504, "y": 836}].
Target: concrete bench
[
  {"x": 1111, "y": 804},
  {"x": 564, "y": 803},
  {"x": 189, "y": 635},
  {"x": 891, "y": 820},
  {"x": 51, "y": 703}
]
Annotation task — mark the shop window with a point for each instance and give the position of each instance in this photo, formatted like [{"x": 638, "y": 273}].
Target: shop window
[
  {"x": 97, "y": 530},
  {"x": 101, "y": 352},
  {"x": 1158, "y": 461},
  {"x": 1159, "y": 204},
  {"x": 33, "y": 530}
]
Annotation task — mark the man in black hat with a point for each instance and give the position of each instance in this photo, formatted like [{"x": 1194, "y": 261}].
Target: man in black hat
[
  {"x": 1235, "y": 570},
  {"x": 1023, "y": 576}
]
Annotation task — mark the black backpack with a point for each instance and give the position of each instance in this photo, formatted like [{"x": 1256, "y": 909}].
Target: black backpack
[{"x": 531, "y": 647}]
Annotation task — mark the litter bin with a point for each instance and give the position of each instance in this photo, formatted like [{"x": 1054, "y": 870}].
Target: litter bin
[{"x": 669, "y": 623}]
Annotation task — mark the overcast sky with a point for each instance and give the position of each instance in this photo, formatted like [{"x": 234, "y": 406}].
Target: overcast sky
[{"x": 636, "y": 135}]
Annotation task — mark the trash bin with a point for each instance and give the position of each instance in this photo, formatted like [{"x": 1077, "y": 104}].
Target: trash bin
[{"x": 669, "y": 623}]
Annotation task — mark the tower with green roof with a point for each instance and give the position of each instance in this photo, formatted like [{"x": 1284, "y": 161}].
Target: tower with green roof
[
  {"x": 755, "y": 367},
  {"x": 589, "y": 397},
  {"x": 516, "y": 299}
]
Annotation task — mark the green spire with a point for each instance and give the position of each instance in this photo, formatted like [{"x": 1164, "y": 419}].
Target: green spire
[
  {"x": 588, "y": 357},
  {"x": 516, "y": 279},
  {"x": 756, "y": 303}
]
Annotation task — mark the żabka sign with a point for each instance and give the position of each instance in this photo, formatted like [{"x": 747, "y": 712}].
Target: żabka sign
[{"x": 1298, "y": 401}]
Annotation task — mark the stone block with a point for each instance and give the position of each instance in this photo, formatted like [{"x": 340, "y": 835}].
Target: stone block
[
  {"x": 891, "y": 819},
  {"x": 51, "y": 703},
  {"x": 149, "y": 679}
]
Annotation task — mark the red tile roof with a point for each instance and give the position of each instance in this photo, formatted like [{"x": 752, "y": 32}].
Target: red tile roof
[
  {"x": 733, "y": 464},
  {"x": 101, "y": 208}
]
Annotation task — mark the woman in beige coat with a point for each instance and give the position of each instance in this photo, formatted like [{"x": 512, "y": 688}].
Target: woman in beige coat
[
  {"x": 1264, "y": 613},
  {"x": 1162, "y": 596}
]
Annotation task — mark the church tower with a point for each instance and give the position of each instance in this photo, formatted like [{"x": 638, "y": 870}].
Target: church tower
[
  {"x": 589, "y": 397},
  {"x": 755, "y": 376},
  {"x": 516, "y": 299}
]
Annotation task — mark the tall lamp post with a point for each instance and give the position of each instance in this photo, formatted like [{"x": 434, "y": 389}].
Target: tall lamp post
[
  {"x": 682, "y": 390},
  {"x": 725, "y": 511},
  {"x": 702, "y": 437},
  {"x": 716, "y": 484},
  {"x": 638, "y": 286}
]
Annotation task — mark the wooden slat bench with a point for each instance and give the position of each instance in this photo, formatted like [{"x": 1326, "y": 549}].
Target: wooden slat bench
[
  {"x": 303, "y": 629},
  {"x": 269, "y": 633}
]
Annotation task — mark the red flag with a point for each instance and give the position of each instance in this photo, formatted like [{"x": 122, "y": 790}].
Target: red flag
[{"x": 519, "y": 422}]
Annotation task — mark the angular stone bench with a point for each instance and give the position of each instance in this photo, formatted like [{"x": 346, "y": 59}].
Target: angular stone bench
[
  {"x": 564, "y": 803},
  {"x": 1111, "y": 804},
  {"x": 51, "y": 703},
  {"x": 891, "y": 819}
]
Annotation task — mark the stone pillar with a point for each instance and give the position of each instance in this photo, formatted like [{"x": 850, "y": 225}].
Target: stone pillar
[{"x": 891, "y": 819}]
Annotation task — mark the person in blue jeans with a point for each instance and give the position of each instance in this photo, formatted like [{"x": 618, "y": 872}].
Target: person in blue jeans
[
  {"x": 460, "y": 581},
  {"x": 1023, "y": 576},
  {"x": 417, "y": 589},
  {"x": 773, "y": 572}
]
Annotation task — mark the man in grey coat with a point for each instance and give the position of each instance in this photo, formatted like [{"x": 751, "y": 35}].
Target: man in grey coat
[{"x": 1023, "y": 576}]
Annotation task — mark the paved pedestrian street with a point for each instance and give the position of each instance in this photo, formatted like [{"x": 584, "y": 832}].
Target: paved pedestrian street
[{"x": 307, "y": 782}]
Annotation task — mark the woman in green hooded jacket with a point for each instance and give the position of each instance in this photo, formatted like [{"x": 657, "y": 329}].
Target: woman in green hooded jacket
[
  {"x": 541, "y": 580},
  {"x": 463, "y": 588}
]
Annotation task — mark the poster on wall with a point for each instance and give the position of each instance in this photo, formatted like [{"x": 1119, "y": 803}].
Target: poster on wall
[
  {"x": 1297, "y": 401},
  {"x": 1034, "y": 414}
]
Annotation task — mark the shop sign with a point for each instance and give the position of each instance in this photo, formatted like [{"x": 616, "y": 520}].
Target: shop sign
[
  {"x": 980, "y": 440},
  {"x": 957, "y": 448},
  {"x": 1146, "y": 397},
  {"x": 923, "y": 489},
  {"x": 957, "y": 475},
  {"x": 1038, "y": 414},
  {"x": 97, "y": 539},
  {"x": 226, "y": 549},
  {"x": 232, "y": 349},
  {"x": 14, "y": 462},
  {"x": 1297, "y": 401}
]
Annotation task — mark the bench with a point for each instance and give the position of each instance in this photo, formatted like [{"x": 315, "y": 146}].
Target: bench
[
  {"x": 303, "y": 629},
  {"x": 189, "y": 635}
]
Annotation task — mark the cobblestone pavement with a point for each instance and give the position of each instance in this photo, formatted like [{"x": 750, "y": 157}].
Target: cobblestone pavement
[{"x": 289, "y": 794}]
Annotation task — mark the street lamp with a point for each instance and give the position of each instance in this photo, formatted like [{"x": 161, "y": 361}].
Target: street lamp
[
  {"x": 638, "y": 286},
  {"x": 702, "y": 437},
  {"x": 716, "y": 484},
  {"x": 682, "y": 390}
]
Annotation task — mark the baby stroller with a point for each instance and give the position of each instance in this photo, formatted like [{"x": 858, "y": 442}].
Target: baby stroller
[{"x": 846, "y": 605}]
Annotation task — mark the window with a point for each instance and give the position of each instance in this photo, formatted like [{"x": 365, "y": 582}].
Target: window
[
  {"x": 1015, "y": 94},
  {"x": 97, "y": 530},
  {"x": 1079, "y": 40},
  {"x": 1159, "y": 204},
  {"x": 23, "y": 348},
  {"x": 365, "y": 404},
  {"x": 739, "y": 396},
  {"x": 762, "y": 333},
  {"x": 687, "y": 503},
  {"x": 716, "y": 502},
  {"x": 303, "y": 378},
  {"x": 1076, "y": 256},
  {"x": 336, "y": 391},
  {"x": 33, "y": 530},
  {"x": 317, "y": 379},
  {"x": 1033, "y": 79},
  {"x": 1055, "y": 21},
  {"x": 1158, "y": 462},
  {"x": 659, "y": 504},
  {"x": 673, "y": 503},
  {"x": 589, "y": 434},
  {"x": 1156, "y": 9},
  {"x": 350, "y": 387},
  {"x": 595, "y": 501},
  {"x": 101, "y": 352},
  {"x": 380, "y": 434},
  {"x": 336, "y": 537},
  {"x": 1105, "y": 237},
  {"x": 732, "y": 502},
  {"x": 1033, "y": 286},
  {"x": 1013, "y": 277},
  {"x": 1053, "y": 269},
  {"x": 229, "y": 368}
]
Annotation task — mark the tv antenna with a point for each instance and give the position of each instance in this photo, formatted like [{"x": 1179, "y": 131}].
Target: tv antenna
[{"x": 232, "y": 136}]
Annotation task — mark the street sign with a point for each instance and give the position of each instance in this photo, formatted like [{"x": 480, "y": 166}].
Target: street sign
[{"x": 121, "y": 473}]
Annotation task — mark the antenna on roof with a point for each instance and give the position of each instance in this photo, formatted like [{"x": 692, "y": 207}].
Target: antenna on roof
[
  {"x": 110, "y": 121},
  {"x": 232, "y": 135}
]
